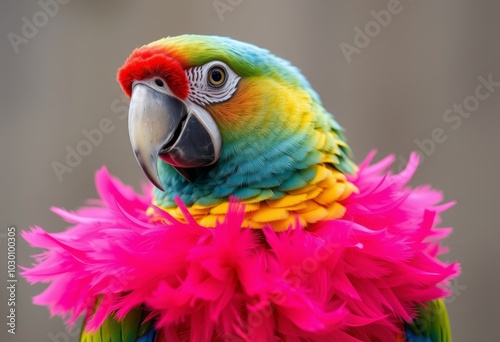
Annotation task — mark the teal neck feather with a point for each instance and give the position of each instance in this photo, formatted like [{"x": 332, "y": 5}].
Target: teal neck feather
[{"x": 253, "y": 166}]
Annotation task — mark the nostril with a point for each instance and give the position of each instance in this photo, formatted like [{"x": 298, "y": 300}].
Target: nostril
[{"x": 159, "y": 82}]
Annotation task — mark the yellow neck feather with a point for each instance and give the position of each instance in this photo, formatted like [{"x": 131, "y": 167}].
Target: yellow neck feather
[{"x": 319, "y": 200}]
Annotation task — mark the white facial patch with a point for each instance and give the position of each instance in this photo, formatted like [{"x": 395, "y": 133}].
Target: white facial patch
[{"x": 202, "y": 92}]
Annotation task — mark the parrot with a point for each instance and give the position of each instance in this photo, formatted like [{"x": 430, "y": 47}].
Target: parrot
[{"x": 256, "y": 223}]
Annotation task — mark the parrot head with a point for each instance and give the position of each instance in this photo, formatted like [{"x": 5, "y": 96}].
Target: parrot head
[{"x": 211, "y": 117}]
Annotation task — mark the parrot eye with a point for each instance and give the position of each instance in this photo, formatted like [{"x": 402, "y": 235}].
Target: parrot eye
[
  {"x": 216, "y": 76},
  {"x": 159, "y": 82},
  {"x": 213, "y": 82}
]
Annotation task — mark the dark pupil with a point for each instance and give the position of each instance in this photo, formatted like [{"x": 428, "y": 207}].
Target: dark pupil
[{"x": 216, "y": 76}]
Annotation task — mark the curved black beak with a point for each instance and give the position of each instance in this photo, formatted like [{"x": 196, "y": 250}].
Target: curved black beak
[{"x": 181, "y": 134}]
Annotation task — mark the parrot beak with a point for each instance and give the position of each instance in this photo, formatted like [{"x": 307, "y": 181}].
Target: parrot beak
[{"x": 160, "y": 125}]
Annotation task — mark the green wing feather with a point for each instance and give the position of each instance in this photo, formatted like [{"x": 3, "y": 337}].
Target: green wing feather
[
  {"x": 432, "y": 324},
  {"x": 132, "y": 327}
]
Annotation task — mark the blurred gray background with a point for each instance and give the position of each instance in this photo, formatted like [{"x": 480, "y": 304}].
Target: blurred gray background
[{"x": 393, "y": 93}]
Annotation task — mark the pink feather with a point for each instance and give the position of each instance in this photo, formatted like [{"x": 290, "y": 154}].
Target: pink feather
[{"x": 353, "y": 279}]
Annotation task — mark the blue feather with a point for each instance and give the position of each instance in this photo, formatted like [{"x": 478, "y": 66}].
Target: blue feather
[
  {"x": 149, "y": 337},
  {"x": 410, "y": 337}
]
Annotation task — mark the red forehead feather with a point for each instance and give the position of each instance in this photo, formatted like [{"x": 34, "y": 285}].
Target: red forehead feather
[{"x": 147, "y": 62}]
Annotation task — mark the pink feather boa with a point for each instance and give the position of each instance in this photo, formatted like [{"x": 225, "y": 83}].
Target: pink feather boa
[{"x": 357, "y": 278}]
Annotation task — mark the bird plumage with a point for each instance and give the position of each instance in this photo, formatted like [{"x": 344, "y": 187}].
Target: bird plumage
[
  {"x": 281, "y": 148},
  {"x": 260, "y": 227}
]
